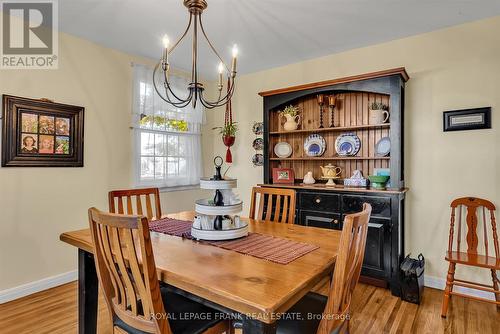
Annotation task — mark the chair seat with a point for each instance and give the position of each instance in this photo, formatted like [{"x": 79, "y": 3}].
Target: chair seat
[
  {"x": 304, "y": 316},
  {"x": 180, "y": 311},
  {"x": 473, "y": 260}
]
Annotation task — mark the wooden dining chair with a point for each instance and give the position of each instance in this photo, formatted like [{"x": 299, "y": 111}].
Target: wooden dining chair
[
  {"x": 325, "y": 315},
  {"x": 134, "y": 201},
  {"x": 275, "y": 205},
  {"x": 127, "y": 275},
  {"x": 474, "y": 211}
]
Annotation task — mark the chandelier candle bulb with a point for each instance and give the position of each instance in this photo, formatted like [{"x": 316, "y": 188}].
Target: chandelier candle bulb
[
  {"x": 235, "y": 55},
  {"x": 166, "y": 43},
  {"x": 221, "y": 70}
]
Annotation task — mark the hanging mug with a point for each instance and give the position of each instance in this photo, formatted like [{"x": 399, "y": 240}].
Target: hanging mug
[{"x": 378, "y": 116}]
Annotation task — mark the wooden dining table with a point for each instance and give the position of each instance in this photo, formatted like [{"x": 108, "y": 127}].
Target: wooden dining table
[{"x": 258, "y": 290}]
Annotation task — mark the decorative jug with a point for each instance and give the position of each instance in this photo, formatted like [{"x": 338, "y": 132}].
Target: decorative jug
[
  {"x": 378, "y": 116},
  {"x": 292, "y": 122},
  {"x": 308, "y": 178}
]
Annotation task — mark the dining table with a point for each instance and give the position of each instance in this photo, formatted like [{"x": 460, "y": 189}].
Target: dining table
[{"x": 258, "y": 290}]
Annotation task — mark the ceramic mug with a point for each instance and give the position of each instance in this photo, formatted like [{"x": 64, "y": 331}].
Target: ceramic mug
[{"x": 378, "y": 116}]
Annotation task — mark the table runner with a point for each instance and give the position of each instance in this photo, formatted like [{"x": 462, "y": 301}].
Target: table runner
[{"x": 274, "y": 249}]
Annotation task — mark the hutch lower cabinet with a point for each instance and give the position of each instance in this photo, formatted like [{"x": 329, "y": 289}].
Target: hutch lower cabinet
[
  {"x": 326, "y": 208},
  {"x": 337, "y": 126}
]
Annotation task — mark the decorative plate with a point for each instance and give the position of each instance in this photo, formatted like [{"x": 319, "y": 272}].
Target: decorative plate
[
  {"x": 283, "y": 149},
  {"x": 315, "y": 145},
  {"x": 258, "y": 144},
  {"x": 347, "y": 144},
  {"x": 383, "y": 147},
  {"x": 258, "y": 128},
  {"x": 258, "y": 159}
]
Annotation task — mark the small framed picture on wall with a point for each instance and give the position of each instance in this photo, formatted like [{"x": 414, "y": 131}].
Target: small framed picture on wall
[
  {"x": 467, "y": 119},
  {"x": 41, "y": 133}
]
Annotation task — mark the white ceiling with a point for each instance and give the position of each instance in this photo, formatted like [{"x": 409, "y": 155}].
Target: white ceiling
[{"x": 269, "y": 33}]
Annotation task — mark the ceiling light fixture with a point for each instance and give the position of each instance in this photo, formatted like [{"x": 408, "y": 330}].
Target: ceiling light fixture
[{"x": 195, "y": 88}]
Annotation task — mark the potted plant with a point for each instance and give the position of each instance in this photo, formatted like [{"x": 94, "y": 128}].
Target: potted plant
[
  {"x": 228, "y": 132},
  {"x": 379, "y": 113},
  {"x": 291, "y": 114}
]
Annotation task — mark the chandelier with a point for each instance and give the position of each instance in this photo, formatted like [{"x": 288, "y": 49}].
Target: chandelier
[{"x": 195, "y": 89}]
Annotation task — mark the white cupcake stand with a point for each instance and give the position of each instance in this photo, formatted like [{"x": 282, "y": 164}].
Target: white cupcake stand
[{"x": 207, "y": 212}]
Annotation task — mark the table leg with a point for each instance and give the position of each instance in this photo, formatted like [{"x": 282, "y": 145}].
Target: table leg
[
  {"x": 87, "y": 293},
  {"x": 252, "y": 326}
]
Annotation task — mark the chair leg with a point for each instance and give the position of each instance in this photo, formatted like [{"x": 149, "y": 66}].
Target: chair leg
[
  {"x": 449, "y": 287},
  {"x": 495, "y": 287}
]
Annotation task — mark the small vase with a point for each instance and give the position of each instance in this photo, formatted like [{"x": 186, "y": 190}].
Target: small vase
[
  {"x": 228, "y": 142},
  {"x": 292, "y": 122},
  {"x": 378, "y": 116}
]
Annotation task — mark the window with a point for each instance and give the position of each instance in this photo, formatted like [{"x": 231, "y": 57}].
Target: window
[{"x": 167, "y": 139}]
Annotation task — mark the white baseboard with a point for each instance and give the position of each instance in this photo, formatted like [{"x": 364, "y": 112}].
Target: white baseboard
[
  {"x": 440, "y": 283},
  {"x": 46, "y": 283}
]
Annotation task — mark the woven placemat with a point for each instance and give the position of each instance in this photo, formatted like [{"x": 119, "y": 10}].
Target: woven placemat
[{"x": 267, "y": 247}]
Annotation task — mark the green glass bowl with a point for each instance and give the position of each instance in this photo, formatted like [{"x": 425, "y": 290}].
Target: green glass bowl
[{"x": 378, "y": 181}]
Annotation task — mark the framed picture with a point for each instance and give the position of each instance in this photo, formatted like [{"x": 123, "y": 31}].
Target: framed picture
[
  {"x": 41, "y": 133},
  {"x": 283, "y": 175},
  {"x": 467, "y": 119}
]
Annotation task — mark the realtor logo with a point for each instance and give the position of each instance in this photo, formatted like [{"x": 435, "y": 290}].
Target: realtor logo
[{"x": 29, "y": 35}]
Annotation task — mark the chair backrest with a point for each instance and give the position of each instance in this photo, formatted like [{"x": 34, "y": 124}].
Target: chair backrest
[
  {"x": 282, "y": 200},
  {"x": 347, "y": 270},
  {"x": 474, "y": 210},
  {"x": 136, "y": 198},
  {"x": 126, "y": 269}
]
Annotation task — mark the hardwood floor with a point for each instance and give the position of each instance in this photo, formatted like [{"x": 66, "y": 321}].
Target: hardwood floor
[{"x": 375, "y": 310}]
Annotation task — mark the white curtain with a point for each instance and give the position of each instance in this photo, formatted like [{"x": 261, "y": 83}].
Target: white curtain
[{"x": 166, "y": 154}]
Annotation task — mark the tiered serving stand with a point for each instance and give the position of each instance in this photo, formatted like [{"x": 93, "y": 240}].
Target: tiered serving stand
[{"x": 217, "y": 218}]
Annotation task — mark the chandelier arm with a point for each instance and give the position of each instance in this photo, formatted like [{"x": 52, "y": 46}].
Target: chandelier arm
[
  {"x": 179, "y": 100},
  {"x": 220, "y": 101},
  {"x": 183, "y": 35},
  {"x": 211, "y": 46},
  {"x": 181, "y": 103}
]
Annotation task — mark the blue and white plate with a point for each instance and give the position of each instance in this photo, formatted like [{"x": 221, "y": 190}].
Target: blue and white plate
[
  {"x": 347, "y": 144},
  {"x": 383, "y": 147},
  {"x": 315, "y": 145}
]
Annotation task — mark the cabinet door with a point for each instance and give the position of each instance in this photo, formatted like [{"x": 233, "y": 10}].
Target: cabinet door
[
  {"x": 377, "y": 261},
  {"x": 321, "y": 219}
]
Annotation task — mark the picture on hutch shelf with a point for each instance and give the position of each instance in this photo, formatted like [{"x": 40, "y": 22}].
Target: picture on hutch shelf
[{"x": 41, "y": 133}]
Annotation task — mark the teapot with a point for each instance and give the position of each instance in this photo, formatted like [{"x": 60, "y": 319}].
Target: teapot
[{"x": 331, "y": 171}]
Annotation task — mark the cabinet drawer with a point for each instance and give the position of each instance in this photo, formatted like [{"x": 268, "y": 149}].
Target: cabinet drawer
[
  {"x": 381, "y": 206},
  {"x": 321, "y": 219},
  {"x": 319, "y": 202}
]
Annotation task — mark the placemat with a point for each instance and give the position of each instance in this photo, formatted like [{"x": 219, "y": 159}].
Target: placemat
[{"x": 274, "y": 249}]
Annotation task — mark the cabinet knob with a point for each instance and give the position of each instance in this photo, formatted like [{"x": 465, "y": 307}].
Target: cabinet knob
[
  {"x": 318, "y": 200},
  {"x": 335, "y": 221}
]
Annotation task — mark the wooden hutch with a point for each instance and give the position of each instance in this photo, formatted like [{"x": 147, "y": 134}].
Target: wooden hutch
[{"x": 321, "y": 206}]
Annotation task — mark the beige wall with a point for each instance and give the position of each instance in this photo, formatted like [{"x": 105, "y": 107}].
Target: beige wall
[
  {"x": 453, "y": 68},
  {"x": 37, "y": 204},
  {"x": 450, "y": 69}
]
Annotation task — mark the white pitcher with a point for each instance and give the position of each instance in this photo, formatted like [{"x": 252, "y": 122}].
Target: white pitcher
[
  {"x": 378, "y": 116},
  {"x": 292, "y": 122}
]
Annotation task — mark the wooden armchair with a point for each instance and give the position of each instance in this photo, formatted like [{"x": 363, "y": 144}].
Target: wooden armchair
[
  {"x": 331, "y": 314},
  {"x": 474, "y": 210},
  {"x": 283, "y": 201},
  {"x": 136, "y": 198},
  {"x": 127, "y": 274}
]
